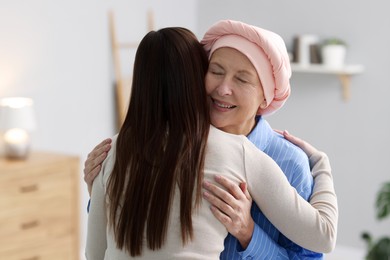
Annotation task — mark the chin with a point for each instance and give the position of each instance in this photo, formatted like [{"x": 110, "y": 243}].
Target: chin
[{"x": 217, "y": 124}]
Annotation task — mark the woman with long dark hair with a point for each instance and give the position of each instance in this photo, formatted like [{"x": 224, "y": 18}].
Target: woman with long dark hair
[{"x": 147, "y": 202}]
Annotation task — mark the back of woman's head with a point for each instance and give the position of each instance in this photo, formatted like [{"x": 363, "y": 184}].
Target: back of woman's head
[
  {"x": 168, "y": 77},
  {"x": 162, "y": 141}
]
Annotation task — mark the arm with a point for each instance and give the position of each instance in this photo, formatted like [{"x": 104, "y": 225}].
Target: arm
[
  {"x": 266, "y": 242},
  {"x": 285, "y": 208},
  {"x": 235, "y": 215},
  {"x": 304, "y": 188},
  {"x": 96, "y": 232},
  {"x": 312, "y": 226},
  {"x": 261, "y": 245},
  {"x": 232, "y": 208}
]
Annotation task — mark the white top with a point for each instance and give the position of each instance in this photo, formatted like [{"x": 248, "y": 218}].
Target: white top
[{"x": 311, "y": 226}]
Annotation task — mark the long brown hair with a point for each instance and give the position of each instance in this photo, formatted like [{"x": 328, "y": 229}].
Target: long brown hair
[{"x": 162, "y": 142}]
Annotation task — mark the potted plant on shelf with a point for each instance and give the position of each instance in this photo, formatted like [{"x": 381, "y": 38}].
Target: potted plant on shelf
[
  {"x": 380, "y": 249},
  {"x": 333, "y": 52}
]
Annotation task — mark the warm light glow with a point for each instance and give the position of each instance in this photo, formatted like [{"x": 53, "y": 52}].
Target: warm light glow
[
  {"x": 17, "y": 120},
  {"x": 17, "y": 112},
  {"x": 16, "y": 102},
  {"x": 16, "y": 136}
]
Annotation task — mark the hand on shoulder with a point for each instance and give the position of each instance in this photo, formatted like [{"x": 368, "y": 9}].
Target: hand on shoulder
[{"x": 305, "y": 146}]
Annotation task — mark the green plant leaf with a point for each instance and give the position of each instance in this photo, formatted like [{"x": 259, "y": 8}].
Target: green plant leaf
[
  {"x": 380, "y": 251},
  {"x": 334, "y": 41},
  {"x": 367, "y": 238},
  {"x": 383, "y": 201}
]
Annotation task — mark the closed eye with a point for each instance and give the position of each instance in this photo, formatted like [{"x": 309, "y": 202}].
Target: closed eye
[
  {"x": 216, "y": 72},
  {"x": 242, "y": 80}
]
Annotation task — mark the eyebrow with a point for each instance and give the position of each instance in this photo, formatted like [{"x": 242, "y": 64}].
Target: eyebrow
[
  {"x": 215, "y": 63},
  {"x": 244, "y": 71}
]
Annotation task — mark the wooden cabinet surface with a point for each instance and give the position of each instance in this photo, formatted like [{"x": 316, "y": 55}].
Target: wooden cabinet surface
[{"x": 39, "y": 216}]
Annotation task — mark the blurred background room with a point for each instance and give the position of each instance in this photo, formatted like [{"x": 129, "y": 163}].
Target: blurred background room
[{"x": 59, "y": 54}]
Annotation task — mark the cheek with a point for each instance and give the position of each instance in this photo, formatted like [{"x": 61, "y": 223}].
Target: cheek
[
  {"x": 255, "y": 96},
  {"x": 250, "y": 99},
  {"x": 209, "y": 82}
]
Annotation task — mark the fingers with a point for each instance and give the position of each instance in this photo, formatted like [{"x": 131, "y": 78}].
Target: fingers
[
  {"x": 97, "y": 156},
  {"x": 221, "y": 217},
  {"x": 95, "y": 160},
  {"x": 231, "y": 205},
  {"x": 91, "y": 175},
  {"x": 230, "y": 186},
  {"x": 225, "y": 198},
  {"x": 104, "y": 146},
  {"x": 92, "y": 165},
  {"x": 218, "y": 198},
  {"x": 278, "y": 131},
  {"x": 293, "y": 139},
  {"x": 305, "y": 146},
  {"x": 244, "y": 188}
]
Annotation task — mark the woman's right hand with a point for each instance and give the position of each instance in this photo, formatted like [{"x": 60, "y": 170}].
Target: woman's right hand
[
  {"x": 231, "y": 205},
  {"x": 94, "y": 161}
]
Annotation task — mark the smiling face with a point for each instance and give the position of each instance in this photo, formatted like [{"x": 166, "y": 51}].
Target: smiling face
[{"x": 235, "y": 91}]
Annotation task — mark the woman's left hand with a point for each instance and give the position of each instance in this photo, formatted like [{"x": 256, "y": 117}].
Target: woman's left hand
[
  {"x": 94, "y": 161},
  {"x": 231, "y": 206}
]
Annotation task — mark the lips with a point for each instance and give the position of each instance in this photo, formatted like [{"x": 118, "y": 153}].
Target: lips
[{"x": 222, "y": 105}]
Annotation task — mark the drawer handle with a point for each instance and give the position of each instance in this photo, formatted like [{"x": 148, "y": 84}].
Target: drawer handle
[
  {"x": 32, "y": 258},
  {"x": 29, "y": 188},
  {"x": 28, "y": 225}
]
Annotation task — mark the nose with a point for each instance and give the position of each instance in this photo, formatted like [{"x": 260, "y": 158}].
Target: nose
[{"x": 224, "y": 88}]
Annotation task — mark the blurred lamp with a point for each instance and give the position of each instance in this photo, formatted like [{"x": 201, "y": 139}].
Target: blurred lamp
[{"x": 17, "y": 121}]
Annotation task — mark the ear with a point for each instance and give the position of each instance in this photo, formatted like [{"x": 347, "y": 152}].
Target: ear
[{"x": 262, "y": 106}]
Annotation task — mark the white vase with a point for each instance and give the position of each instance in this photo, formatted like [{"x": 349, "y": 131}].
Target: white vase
[
  {"x": 333, "y": 55},
  {"x": 304, "y": 48}
]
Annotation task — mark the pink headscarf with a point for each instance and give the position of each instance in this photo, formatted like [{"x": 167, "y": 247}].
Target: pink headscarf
[{"x": 265, "y": 49}]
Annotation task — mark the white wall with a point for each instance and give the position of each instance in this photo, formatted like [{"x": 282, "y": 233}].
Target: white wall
[
  {"x": 59, "y": 53},
  {"x": 354, "y": 133}
]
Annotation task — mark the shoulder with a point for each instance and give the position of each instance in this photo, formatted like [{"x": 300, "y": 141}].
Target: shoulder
[
  {"x": 294, "y": 163},
  {"x": 236, "y": 147},
  {"x": 257, "y": 158},
  {"x": 220, "y": 139}
]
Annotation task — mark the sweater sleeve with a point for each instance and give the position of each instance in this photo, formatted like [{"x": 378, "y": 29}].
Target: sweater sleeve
[
  {"x": 96, "y": 232},
  {"x": 311, "y": 225}
]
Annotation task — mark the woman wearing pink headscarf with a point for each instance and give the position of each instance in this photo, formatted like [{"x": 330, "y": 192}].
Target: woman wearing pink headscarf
[{"x": 249, "y": 77}]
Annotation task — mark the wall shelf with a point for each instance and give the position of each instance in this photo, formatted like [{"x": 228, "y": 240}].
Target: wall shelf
[{"x": 344, "y": 73}]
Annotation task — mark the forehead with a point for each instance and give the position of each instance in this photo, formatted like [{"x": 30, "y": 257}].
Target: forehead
[{"x": 233, "y": 58}]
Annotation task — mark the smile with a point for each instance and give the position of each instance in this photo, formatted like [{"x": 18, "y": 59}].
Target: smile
[{"x": 222, "y": 105}]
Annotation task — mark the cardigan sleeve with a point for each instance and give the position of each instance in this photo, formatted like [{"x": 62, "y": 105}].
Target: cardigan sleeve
[
  {"x": 311, "y": 225},
  {"x": 96, "y": 244}
]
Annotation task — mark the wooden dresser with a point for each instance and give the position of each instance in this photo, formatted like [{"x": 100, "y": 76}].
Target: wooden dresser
[{"x": 39, "y": 207}]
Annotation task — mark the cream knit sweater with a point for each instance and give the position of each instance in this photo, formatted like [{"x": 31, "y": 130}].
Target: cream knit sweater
[{"x": 311, "y": 225}]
